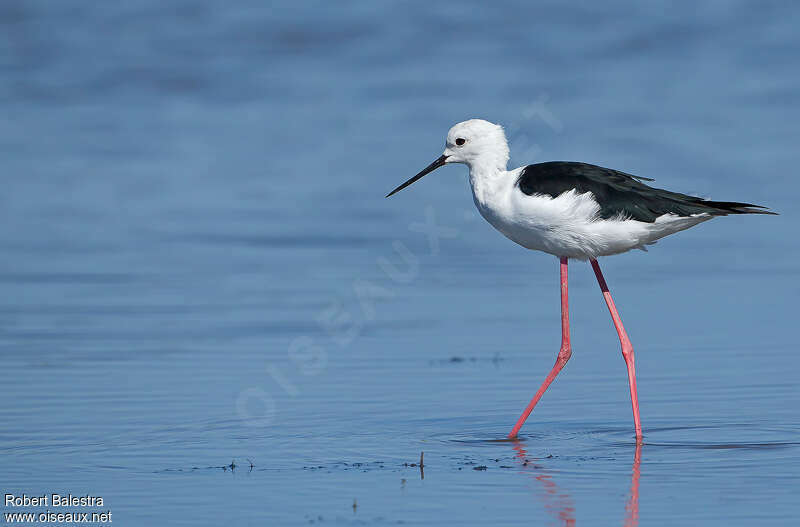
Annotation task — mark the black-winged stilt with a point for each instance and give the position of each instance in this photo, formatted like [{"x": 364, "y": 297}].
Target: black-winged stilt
[{"x": 571, "y": 210}]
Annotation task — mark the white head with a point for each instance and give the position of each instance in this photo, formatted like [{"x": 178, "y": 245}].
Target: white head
[
  {"x": 474, "y": 143},
  {"x": 477, "y": 141}
]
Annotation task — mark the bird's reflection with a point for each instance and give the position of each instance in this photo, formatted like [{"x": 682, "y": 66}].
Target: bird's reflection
[
  {"x": 632, "y": 507},
  {"x": 558, "y": 502}
]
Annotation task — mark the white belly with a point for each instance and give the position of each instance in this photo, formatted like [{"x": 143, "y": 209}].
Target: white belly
[{"x": 569, "y": 225}]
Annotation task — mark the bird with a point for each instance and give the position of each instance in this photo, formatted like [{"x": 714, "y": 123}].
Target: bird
[{"x": 573, "y": 211}]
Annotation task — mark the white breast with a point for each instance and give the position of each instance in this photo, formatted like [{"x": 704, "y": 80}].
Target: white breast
[{"x": 568, "y": 225}]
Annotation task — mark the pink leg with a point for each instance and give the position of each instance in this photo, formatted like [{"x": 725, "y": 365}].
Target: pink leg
[
  {"x": 563, "y": 355},
  {"x": 627, "y": 347}
]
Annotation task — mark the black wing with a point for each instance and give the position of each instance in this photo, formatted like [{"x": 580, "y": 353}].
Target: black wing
[{"x": 621, "y": 194}]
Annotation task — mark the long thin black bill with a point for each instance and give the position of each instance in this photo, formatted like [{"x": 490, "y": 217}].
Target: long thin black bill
[{"x": 428, "y": 169}]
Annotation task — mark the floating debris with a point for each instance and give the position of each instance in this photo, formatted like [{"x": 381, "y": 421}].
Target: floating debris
[{"x": 457, "y": 359}]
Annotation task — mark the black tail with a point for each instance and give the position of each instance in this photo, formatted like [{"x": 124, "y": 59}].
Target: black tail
[{"x": 734, "y": 207}]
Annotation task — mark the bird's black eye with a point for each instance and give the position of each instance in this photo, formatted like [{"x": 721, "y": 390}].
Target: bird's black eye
[{"x": 460, "y": 141}]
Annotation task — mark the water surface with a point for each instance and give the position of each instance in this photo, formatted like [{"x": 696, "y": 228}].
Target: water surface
[{"x": 200, "y": 272}]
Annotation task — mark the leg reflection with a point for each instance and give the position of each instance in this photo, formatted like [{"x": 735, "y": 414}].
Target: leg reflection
[
  {"x": 559, "y": 504},
  {"x": 556, "y": 502},
  {"x": 632, "y": 507}
]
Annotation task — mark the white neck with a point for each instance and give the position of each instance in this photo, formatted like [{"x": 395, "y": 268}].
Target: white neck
[
  {"x": 487, "y": 165},
  {"x": 484, "y": 175}
]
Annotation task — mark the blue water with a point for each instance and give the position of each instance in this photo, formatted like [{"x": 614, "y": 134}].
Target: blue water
[{"x": 199, "y": 269}]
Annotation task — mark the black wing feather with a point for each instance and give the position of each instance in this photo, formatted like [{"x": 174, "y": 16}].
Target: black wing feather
[{"x": 621, "y": 194}]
